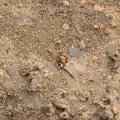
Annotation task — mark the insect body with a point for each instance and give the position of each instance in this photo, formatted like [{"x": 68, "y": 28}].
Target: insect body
[{"x": 61, "y": 61}]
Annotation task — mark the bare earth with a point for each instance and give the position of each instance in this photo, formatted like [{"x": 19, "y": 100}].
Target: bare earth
[{"x": 33, "y": 33}]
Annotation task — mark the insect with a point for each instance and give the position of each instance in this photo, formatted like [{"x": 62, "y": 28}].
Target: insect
[{"x": 61, "y": 61}]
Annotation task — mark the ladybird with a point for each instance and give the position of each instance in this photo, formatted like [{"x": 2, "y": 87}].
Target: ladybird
[{"x": 61, "y": 61}]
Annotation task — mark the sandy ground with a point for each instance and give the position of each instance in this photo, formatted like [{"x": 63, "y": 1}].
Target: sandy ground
[{"x": 33, "y": 33}]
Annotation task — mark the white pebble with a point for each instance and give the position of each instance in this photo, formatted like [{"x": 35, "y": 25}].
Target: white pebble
[{"x": 66, "y": 3}]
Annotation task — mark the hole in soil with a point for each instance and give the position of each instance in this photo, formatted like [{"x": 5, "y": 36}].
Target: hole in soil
[
  {"x": 5, "y": 4},
  {"x": 86, "y": 98},
  {"x": 17, "y": 33},
  {"x": 107, "y": 102}
]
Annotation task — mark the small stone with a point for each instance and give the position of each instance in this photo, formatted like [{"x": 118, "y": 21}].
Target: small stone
[
  {"x": 65, "y": 27},
  {"x": 61, "y": 103},
  {"x": 40, "y": 66},
  {"x": 58, "y": 42},
  {"x": 20, "y": 5},
  {"x": 1, "y": 16},
  {"x": 9, "y": 113},
  {"x": 109, "y": 114},
  {"x": 114, "y": 109},
  {"x": 64, "y": 116},
  {"x": 9, "y": 108},
  {"x": 96, "y": 26},
  {"x": 66, "y": 3},
  {"x": 50, "y": 50},
  {"x": 108, "y": 30},
  {"x": 101, "y": 26},
  {"x": 16, "y": 110},
  {"x": 109, "y": 77},
  {"x": 61, "y": 106},
  {"x": 98, "y": 8},
  {"x": 112, "y": 49},
  {"x": 113, "y": 23},
  {"x": 83, "y": 1}
]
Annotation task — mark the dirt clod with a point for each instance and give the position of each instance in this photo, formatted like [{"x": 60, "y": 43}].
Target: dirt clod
[
  {"x": 96, "y": 26},
  {"x": 98, "y": 8},
  {"x": 64, "y": 116},
  {"x": 66, "y": 3},
  {"x": 108, "y": 30},
  {"x": 65, "y": 27},
  {"x": 35, "y": 82}
]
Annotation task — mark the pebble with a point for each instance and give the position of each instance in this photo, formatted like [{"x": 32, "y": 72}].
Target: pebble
[
  {"x": 49, "y": 50},
  {"x": 61, "y": 106},
  {"x": 109, "y": 114},
  {"x": 9, "y": 108},
  {"x": 98, "y": 8},
  {"x": 1, "y": 16},
  {"x": 66, "y": 3},
  {"x": 112, "y": 49},
  {"x": 113, "y": 23},
  {"x": 96, "y": 26},
  {"x": 108, "y": 30},
  {"x": 58, "y": 42},
  {"x": 83, "y": 1},
  {"x": 40, "y": 66},
  {"x": 99, "y": 26},
  {"x": 114, "y": 109},
  {"x": 109, "y": 77},
  {"x": 9, "y": 113},
  {"x": 65, "y": 27},
  {"x": 64, "y": 116}
]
